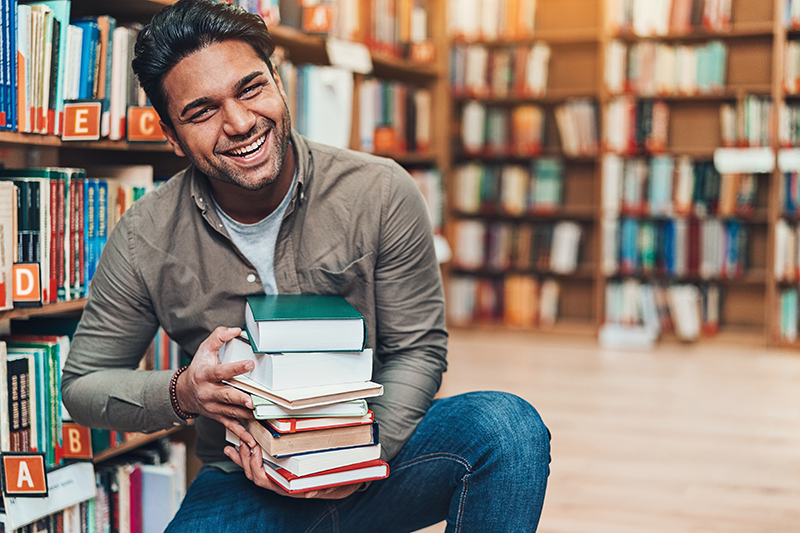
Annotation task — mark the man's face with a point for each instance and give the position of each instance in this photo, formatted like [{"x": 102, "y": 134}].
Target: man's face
[{"x": 229, "y": 115}]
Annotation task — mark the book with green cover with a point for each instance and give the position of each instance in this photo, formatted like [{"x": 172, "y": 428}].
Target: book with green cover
[{"x": 304, "y": 323}]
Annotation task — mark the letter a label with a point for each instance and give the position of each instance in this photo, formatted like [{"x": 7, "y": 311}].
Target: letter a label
[{"x": 24, "y": 474}]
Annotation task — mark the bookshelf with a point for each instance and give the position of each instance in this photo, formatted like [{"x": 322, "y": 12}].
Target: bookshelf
[
  {"x": 573, "y": 72},
  {"x": 754, "y": 44}
]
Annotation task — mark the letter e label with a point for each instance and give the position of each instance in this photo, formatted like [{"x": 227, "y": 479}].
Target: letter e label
[{"x": 81, "y": 121}]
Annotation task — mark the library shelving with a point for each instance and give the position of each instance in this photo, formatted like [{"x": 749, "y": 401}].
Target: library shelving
[
  {"x": 524, "y": 95},
  {"x": 741, "y": 53}
]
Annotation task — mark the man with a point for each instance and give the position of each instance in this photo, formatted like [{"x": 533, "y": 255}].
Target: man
[{"x": 262, "y": 209}]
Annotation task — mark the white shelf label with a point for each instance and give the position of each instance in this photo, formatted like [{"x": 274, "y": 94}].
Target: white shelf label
[
  {"x": 744, "y": 160},
  {"x": 789, "y": 159},
  {"x": 67, "y": 486},
  {"x": 350, "y": 56}
]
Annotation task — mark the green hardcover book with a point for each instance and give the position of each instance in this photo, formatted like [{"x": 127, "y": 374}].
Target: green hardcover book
[{"x": 304, "y": 323}]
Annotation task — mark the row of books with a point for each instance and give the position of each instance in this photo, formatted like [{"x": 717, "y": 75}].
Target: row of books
[
  {"x": 501, "y": 246},
  {"x": 636, "y": 125},
  {"x": 391, "y": 25},
  {"x": 788, "y": 314},
  {"x": 789, "y": 194},
  {"x": 54, "y": 58},
  {"x": 748, "y": 123},
  {"x": 511, "y": 189},
  {"x": 665, "y": 186},
  {"x": 791, "y": 14},
  {"x": 394, "y": 117},
  {"x": 494, "y": 130},
  {"x": 480, "y": 71},
  {"x": 787, "y": 251},
  {"x": 577, "y": 123},
  {"x": 137, "y": 492},
  {"x": 513, "y": 300},
  {"x": 789, "y": 124},
  {"x": 490, "y": 20},
  {"x": 60, "y": 219},
  {"x": 661, "y": 308},
  {"x": 675, "y": 248},
  {"x": 311, "y": 377},
  {"x": 791, "y": 67},
  {"x": 664, "y": 17},
  {"x": 651, "y": 68}
]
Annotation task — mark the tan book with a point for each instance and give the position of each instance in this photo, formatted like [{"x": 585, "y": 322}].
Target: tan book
[{"x": 286, "y": 444}]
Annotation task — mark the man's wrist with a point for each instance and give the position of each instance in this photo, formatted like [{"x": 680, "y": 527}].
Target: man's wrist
[{"x": 173, "y": 395}]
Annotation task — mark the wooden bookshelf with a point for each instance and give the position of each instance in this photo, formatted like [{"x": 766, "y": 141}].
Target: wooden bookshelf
[{"x": 573, "y": 32}]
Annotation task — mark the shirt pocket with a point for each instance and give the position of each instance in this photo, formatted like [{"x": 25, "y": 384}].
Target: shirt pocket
[{"x": 350, "y": 280}]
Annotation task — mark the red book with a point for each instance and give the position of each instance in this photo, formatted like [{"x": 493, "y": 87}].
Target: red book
[
  {"x": 693, "y": 255},
  {"x": 135, "y": 501},
  {"x": 52, "y": 295},
  {"x": 346, "y": 475}
]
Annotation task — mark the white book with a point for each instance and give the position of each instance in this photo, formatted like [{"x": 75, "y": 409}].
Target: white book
[
  {"x": 313, "y": 462},
  {"x": 278, "y": 371},
  {"x": 564, "y": 253},
  {"x": 119, "y": 84},
  {"x": 473, "y": 123},
  {"x": 72, "y": 72},
  {"x": 309, "y": 396},
  {"x": 265, "y": 410}
]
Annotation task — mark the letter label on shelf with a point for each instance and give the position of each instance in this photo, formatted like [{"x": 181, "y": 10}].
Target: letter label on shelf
[
  {"x": 24, "y": 474},
  {"x": 81, "y": 121},
  {"x": 77, "y": 441}
]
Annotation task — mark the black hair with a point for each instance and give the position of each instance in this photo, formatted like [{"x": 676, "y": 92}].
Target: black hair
[{"x": 183, "y": 28}]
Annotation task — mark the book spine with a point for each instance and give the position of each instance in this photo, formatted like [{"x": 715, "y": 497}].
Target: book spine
[
  {"x": 61, "y": 231},
  {"x": 19, "y": 404}
]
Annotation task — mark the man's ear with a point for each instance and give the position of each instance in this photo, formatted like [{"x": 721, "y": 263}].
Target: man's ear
[
  {"x": 278, "y": 82},
  {"x": 172, "y": 138}
]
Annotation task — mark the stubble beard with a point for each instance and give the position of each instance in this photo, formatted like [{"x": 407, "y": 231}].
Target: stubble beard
[{"x": 217, "y": 168}]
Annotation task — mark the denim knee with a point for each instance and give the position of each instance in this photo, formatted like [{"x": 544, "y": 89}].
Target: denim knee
[{"x": 502, "y": 422}]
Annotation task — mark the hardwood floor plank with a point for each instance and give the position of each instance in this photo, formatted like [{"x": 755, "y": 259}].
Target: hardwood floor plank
[{"x": 683, "y": 438}]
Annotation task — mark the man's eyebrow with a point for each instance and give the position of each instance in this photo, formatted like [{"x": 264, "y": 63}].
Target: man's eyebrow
[{"x": 204, "y": 99}]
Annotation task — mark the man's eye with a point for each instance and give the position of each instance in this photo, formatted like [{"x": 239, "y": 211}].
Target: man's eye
[
  {"x": 252, "y": 90},
  {"x": 201, "y": 115}
]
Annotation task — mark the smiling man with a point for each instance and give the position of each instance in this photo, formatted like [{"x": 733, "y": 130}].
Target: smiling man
[{"x": 263, "y": 210}]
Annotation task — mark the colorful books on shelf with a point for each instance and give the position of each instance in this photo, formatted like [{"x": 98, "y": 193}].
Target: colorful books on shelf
[
  {"x": 748, "y": 123},
  {"x": 510, "y": 189},
  {"x": 394, "y": 117},
  {"x": 647, "y": 18},
  {"x": 493, "y": 131},
  {"x": 651, "y": 68},
  {"x": 635, "y": 125},
  {"x": 577, "y": 123},
  {"x": 481, "y": 71},
  {"x": 472, "y": 20},
  {"x": 304, "y": 323},
  {"x": 517, "y": 300}
]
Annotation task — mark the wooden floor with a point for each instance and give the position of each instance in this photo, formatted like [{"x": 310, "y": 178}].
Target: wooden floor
[{"x": 684, "y": 438}]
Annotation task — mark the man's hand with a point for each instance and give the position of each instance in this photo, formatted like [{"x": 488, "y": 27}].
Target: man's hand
[
  {"x": 251, "y": 461},
  {"x": 200, "y": 389}
]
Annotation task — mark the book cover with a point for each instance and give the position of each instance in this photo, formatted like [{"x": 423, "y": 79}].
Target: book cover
[
  {"x": 278, "y": 371},
  {"x": 294, "y": 425},
  {"x": 347, "y": 475},
  {"x": 89, "y": 58},
  {"x": 304, "y": 323},
  {"x": 279, "y": 444},
  {"x": 300, "y": 398},
  {"x": 264, "y": 409}
]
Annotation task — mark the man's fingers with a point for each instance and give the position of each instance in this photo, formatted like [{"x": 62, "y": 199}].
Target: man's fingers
[
  {"x": 212, "y": 344},
  {"x": 220, "y": 372}
]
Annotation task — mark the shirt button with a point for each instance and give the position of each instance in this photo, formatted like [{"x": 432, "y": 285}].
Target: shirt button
[{"x": 251, "y": 278}]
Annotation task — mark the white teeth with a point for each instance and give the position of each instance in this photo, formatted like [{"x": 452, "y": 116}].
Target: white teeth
[{"x": 251, "y": 148}]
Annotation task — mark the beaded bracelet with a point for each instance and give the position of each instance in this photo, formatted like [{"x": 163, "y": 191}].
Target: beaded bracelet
[{"x": 173, "y": 395}]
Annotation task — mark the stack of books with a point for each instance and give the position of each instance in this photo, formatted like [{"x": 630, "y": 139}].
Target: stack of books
[{"x": 311, "y": 377}]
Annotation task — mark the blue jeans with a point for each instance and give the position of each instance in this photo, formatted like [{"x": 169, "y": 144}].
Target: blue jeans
[{"x": 479, "y": 460}]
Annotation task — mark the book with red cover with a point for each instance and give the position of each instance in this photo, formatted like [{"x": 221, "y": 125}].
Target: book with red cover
[
  {"x": 346, "y": 475},
  {"x": 293, "y": 425}
]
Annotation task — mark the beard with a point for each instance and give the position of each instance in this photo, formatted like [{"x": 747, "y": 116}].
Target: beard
[{"x": 219, "y": 167}]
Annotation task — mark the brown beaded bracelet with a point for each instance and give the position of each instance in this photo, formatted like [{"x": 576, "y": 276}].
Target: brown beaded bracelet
[{"x": 173, "y": 395}]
